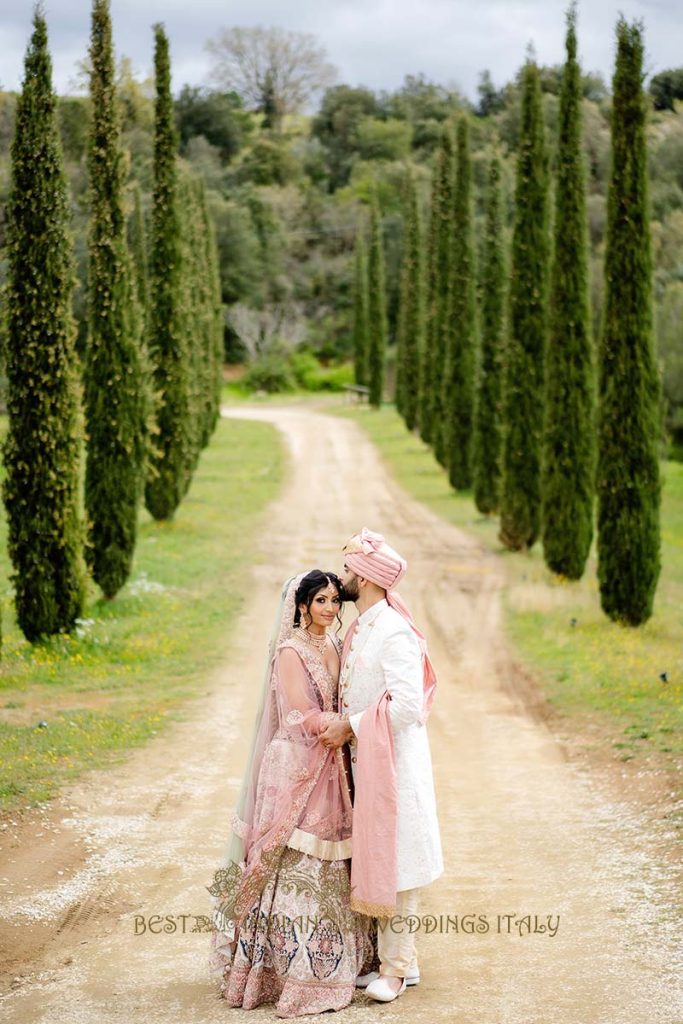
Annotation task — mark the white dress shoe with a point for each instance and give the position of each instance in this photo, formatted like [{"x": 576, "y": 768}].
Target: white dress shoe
[
  {"x": 363, "y": 980},
  {"x": 381, "y": 990}
]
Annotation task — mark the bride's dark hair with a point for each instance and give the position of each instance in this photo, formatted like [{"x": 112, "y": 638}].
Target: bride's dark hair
[{"x": 312, "y": 583}]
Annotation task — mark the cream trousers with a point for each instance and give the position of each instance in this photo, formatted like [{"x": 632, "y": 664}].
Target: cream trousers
[{"x": 395, "y": 940}]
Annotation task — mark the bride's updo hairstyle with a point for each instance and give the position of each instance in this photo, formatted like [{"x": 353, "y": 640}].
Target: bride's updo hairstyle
[{"x": 312, "y": 583}]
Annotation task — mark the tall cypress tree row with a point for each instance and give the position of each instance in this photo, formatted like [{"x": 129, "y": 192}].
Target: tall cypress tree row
[
  {"x": 360, "y": 311},
  {"x": 628, "y": 484},
  {"x": 411, "y": 326},
  {"x": 568, "y": 465},
  {"x": 41, "y": 448},
  {"x": 442, "y": 305},
  {"x": 167, "y": 477},
  {"x": 438, "y": 251},
  {"x": 377, "y": 306},
  {"x": 461, "y": 328},
  {"x": 114, "y": 400},
  {"x": 487, "y": 419},
  {"x": 520, "y": 506}
]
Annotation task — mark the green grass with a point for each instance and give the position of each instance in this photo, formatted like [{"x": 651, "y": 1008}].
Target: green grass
[
  {"x": 132, "y": 662},
  {"x": 593, "y": 668}
]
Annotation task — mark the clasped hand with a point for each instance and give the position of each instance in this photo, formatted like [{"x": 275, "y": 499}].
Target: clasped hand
[{"x": 336, "y": 733}]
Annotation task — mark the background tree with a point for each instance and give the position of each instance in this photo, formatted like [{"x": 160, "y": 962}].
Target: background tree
[
  {"x": 410, "y": 337},
  {"x": 218, "y": 116},
  {"x": 628, "y": 484},
  {"x": 486, "y": 444},
  {"x": 336, "y": 125},
  {"x": 377, "y": 306},
  {"x": 360, "y": 311},
  {"x": 491, "y": 100},
  {"x": 113, "y": 392},
  {"x": 568, "y": 465},
  {"x": 166, "y": 481},
  {"x": 524, "y": 363},
  {"x": 274, "y": 70},
  {"x": 667, "y": 87},
  {"x": 461, "y": 326},
  {"x": 41, "y": 449}
]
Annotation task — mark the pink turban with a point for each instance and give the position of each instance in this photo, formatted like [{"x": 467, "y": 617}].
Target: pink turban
[{"x": 369, "y": 555}]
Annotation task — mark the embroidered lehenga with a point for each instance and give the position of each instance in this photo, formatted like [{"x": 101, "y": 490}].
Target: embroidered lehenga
[{"x": 284, "y": 931}]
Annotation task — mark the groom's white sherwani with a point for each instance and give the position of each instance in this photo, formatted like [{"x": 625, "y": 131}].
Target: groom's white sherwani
[{"x": 385, "y": 654}]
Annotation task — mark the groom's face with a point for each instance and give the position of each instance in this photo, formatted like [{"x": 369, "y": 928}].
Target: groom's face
[{"x": 350, "y": 583}]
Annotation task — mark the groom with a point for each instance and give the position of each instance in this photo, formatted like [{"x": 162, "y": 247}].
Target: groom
[{"x": 387, "y": 686}]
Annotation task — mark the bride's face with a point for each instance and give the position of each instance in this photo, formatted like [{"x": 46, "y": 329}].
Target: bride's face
[{"x": 324, "y": 607}]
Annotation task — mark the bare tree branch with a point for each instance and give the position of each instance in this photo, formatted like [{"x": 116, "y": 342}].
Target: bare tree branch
[
  {"x": 261, "y": 331},
  {"x": 271, "y": 67}
]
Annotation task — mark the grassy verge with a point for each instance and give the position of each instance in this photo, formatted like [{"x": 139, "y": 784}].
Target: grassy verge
[
  {"x": 588, "y": 666},
  {"x": 127, "y": 668}
]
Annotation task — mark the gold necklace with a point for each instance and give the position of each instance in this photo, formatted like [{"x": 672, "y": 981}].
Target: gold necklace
[{"x": 315, "y": 640}]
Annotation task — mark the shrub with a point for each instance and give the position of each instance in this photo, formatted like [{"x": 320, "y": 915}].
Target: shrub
[
  {"x": 271, "y": 373},
  {"x": 311, "y": 376}
]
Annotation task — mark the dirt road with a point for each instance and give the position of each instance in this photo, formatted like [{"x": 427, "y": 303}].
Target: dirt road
[{"x": 525, "y": 831}]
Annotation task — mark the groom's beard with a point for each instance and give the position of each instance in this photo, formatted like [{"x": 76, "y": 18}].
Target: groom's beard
[{"x": 351, "y": 591}]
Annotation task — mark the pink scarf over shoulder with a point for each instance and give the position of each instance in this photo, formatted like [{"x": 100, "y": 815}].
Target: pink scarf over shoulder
[{"x": 375, "y": 808}]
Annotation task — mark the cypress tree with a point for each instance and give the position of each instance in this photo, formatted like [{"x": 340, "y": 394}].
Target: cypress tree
[
  {"x": 167, "y": 477},
  {"x": 360, "y": 312},
  {"x": 137, "y": 239},
  {"x": 411, "y": 322},
  {"x": 628, "y": 483},
  {"x": 568, "y": 469},
  {"x": 442, "y": 297},
  {"x": 461, "y": 325},
  {"x": 114, "y": 400},
  {"x": 377, "y": 306},
  {"x": 41, "y": 449},
  {"x": 437, "y": 281},
  {"x": 137, "y": 244},
  {"x": 401, "y": 314},
  {"x": 192, "y": 324},
  {"x": 215, "y": 344},
  {"x": 487, "y": 421},
  {"x": 203, "y": 312},
  {"x": 523, "y": 379}
]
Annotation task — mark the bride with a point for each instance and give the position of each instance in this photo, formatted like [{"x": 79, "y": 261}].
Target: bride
[{"x": 283, "y": 928}]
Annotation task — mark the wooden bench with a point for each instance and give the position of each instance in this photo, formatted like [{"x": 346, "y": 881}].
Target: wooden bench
[{"x": 357, "y": 391}]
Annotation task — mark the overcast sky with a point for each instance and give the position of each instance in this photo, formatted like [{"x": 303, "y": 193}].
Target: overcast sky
[{"x": 371, "y": 42}]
